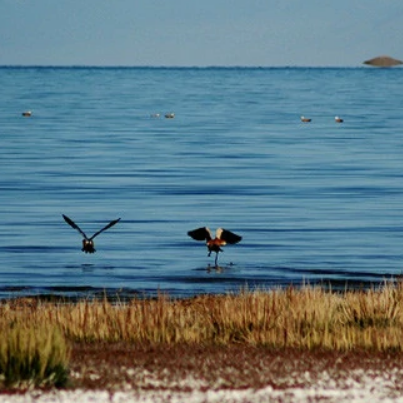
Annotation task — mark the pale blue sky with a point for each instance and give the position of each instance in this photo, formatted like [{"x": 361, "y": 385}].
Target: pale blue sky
[{"x": 199, "y": 32}]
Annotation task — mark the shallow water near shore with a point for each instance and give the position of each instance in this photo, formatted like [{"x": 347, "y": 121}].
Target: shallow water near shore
[{"x": 315, "y": 203}]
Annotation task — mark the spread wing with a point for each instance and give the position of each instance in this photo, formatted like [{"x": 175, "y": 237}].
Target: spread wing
[
  {"x": 200, "y": 234},
  {"x": 227, "y": 236},
  {"x": 111, "y": 224},
  {"x": 74, "y": 225}
]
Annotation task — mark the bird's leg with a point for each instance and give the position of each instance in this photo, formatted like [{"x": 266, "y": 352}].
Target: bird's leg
[{"x": 216, "y": 259}]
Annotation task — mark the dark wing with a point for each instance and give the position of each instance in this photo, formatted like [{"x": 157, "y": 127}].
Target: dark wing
[
  {"x": 228, "y": 236},
  {"x": 200, "y": 234},
  {"x": 111, "y": 224},
  {"x": 74, "y": 225}
]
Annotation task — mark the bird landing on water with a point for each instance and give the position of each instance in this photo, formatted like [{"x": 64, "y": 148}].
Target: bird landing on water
[
  {"x": 88, "y": 243},
  {"x": 222, "y": 238}
]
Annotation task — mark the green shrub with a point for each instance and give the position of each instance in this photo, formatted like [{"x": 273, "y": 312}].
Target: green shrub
[{"x": 33, "y": 356}]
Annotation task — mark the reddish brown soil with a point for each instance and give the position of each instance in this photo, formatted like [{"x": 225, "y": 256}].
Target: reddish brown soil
[{"x": 112, "y": 367}]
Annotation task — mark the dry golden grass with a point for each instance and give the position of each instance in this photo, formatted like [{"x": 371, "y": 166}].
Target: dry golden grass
[{"x": 306, "y": 318}]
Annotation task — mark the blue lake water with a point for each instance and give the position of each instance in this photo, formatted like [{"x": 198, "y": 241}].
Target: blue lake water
[{"x": 315, "y": 203}]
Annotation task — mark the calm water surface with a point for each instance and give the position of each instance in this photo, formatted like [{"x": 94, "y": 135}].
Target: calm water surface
[{"x": 315, "y": 203}]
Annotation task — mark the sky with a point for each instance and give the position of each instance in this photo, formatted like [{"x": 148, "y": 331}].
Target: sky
[{"x": 199, "y": 32}]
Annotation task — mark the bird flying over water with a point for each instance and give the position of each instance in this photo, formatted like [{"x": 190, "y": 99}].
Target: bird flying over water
[
  {"x": 222, "y": 238},
  {"x": 88, "y": 243}
]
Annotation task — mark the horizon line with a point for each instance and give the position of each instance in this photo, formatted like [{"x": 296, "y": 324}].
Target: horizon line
[{"x": 147, "y": 66}]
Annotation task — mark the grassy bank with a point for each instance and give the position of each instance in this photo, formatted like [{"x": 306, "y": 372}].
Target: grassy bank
[{"x": 307, "y": 318}]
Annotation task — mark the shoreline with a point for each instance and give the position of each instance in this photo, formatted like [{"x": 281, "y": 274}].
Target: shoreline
[
  {"x": 302, "y": 345},
  {"x": 237, "y": 373}
]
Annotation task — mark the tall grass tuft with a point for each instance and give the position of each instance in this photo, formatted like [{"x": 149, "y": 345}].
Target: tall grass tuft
[{"x": 32, "y": 355}]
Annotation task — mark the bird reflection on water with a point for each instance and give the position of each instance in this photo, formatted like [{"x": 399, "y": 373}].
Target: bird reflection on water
[{"x": 216, "y": 268}]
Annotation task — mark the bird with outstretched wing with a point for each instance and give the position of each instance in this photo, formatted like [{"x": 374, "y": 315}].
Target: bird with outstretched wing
[
  {"x": 222, "y": 238},
  {"x": 88, "y": 243}
]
